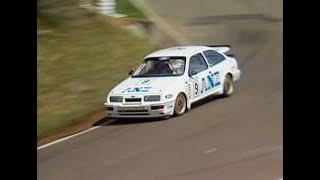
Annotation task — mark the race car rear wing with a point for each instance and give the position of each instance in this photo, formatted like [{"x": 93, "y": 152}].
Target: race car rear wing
[{"x": 220, "y": 48}]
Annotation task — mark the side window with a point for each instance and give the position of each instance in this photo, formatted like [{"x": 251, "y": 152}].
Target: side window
[
  {"x": 197, "y": 63},
  {"x": 213, "y": 57}
]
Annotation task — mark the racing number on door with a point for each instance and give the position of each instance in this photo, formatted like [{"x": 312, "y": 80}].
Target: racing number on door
[{"x": 196, "y": 88}]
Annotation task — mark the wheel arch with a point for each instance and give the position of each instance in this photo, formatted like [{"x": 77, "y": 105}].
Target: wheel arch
[
  {"x": 187, "y": 99},
  {"x": 229, "y": 73}
]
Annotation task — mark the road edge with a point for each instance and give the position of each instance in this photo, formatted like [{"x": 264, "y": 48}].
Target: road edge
[{"x": 65, "y": 133}]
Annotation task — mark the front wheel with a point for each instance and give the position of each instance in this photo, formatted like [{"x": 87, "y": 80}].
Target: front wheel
[
  {"x": 180, "y": 105},
  {"x": 227, "y": 86}
]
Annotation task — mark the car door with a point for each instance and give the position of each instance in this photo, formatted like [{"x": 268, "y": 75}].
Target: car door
[
  {"x": 216, "y": 72},
  {"x": 198, "y": 69}
]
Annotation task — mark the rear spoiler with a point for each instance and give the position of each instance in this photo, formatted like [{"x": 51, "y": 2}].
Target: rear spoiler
[{"x": 220, "y": 48}]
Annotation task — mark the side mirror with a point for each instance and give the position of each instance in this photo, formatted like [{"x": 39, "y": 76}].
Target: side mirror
[
  {"x": 192, "y": 73},
  {"x": 132, "y": 70}
]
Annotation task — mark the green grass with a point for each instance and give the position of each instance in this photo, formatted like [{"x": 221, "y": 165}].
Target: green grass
[
  {"x": 79, "y": 61},
  {"x": 126, "y": 7}
]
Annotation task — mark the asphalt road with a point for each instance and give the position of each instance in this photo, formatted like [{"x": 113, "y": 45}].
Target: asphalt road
[{"x": 234, "y": 138}]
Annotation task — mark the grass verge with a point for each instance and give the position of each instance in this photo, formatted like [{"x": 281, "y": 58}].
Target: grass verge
[
  {"x": 79, "y": 60},
  {"x": 126, "y": 7}
]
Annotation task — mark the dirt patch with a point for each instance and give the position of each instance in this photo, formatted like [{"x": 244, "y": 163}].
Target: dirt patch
[
  {"x": 93, "y": 119},
  {"x": 129, "y": 21},
  {"x": 81, "y": 88}
]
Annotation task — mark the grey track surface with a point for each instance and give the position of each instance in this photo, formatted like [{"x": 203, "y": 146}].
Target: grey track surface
[{"x": 231, "y": 138}]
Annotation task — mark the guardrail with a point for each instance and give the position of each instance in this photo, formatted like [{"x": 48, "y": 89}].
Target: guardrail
[{"x": 106, "y": 6}]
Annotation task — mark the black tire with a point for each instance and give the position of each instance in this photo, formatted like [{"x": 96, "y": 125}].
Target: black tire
[
  {"x": 180, "y": 105},
  {"x": 228, "y": 86}
]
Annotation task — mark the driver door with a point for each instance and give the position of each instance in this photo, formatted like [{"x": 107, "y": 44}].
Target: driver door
[{"x": 197, "y": 71}]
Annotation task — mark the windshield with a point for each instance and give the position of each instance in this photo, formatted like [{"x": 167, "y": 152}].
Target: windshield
[{"x": 162, "y": 66}]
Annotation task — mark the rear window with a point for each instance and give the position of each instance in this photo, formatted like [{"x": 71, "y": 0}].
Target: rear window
[{"x": 213, "y": 57}]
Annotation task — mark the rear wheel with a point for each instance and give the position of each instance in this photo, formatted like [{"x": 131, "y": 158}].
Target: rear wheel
[
  {"x": 227, "y": 86},
  {"x": 180, "y": 105}
]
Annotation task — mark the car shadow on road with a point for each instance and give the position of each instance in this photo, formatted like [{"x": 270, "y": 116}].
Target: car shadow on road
[
  {"x": 126, "y": 121},
  {"x": 205, "y": 101},
  {"x": 107, "y": 121}
]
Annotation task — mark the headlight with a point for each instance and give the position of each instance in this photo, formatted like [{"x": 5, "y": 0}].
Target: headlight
[
  {"x": 116, "y": 98},
  {"x": 168, "y": 96},
  {"x": 152, "y": 98}
]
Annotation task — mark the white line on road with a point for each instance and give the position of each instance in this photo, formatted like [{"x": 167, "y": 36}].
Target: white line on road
[
  {"x": 77, "y": 134},
  {"x": 210, "y": 150}
]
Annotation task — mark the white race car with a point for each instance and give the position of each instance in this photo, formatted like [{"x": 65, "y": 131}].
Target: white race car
[{"x": 170, "y": 80}]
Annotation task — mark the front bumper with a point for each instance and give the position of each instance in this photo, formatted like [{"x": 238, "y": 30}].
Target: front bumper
[{"x": 120, "y": 110}]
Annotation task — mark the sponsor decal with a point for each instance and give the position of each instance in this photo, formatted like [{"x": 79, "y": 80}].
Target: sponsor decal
[
  {"x": 204, "y": 85},
  {"x": 144, "y": 82},
  {"x": 216, "y": 78},
  {"x": 213, "y": 80},
  {"x": 210, "y": 81},
  {"x": 188, "y": 89},
  {"x": 170, "y": 106},
  {"x": 137, "y": 89}
]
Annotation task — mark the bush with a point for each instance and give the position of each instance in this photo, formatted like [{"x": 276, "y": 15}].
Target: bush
[{"x": 54, "y": 12}]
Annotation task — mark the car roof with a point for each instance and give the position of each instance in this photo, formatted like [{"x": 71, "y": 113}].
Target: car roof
[{"x": 178, "y": 51}]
